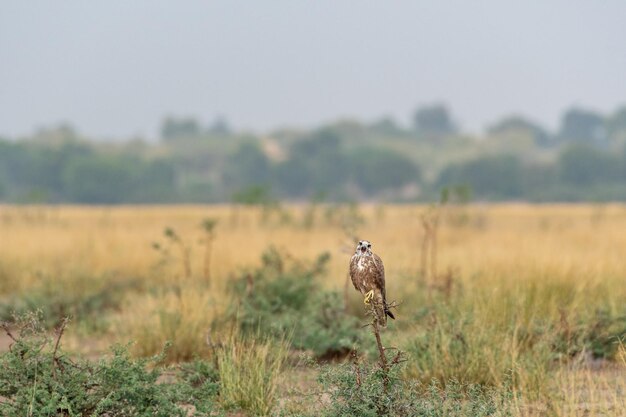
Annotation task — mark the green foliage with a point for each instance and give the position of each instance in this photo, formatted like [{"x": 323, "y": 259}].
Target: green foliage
[
  {"x": 598, "y": 333},
  {"x": 513, "y": 126},
  {"x": 358, "y": 390},
  {"x": 208, "y": 224},
  {"x": 39, "y": 379},
  {"x": 345, "y": 160},
  {"x": 177, "y": 128},
  {"x": 434, "y": 120},
  {"x": 317, "y": 164},
  {"x": 583, "y": 165},
  {"x": 198, "y": 385},
  {"x": 247, "y": 167},
  {"x": 583, "y": 126},
  {"x": 498, "y": 177},
  {"x": 604, "y": 333},
  {"x": 283, "y": 299},
  {"x": 616, "y": 124},
  {"x": 117, "y": 179},
  {"x": 253, "y": 195},
  {"x": 375, "y": 170}
]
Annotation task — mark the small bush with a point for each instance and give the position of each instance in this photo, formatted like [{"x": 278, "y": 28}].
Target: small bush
[
  {"x": 604, "y": 333},
  {"x": 597, "y": 333},
  {"x": 39, "y": 379},
  {"x": 198, "y": 384},
  {"x": 358, "y": 390},
  {"x": 283, "y": 299}
]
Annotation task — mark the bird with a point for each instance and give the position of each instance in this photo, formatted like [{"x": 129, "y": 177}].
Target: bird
[{"x": 367, "y": 273}]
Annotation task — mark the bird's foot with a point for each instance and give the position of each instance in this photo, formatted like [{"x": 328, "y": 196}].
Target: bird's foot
[{"x": 368, "y": 297}]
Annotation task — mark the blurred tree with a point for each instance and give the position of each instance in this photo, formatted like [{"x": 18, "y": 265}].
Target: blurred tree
[
  {"x": 490, "y": 177},
  {"x": 583, "y": 126},
  {"x": 60, "y": 134},
  {"x": 319, "y": 142},
  {"x": 100, "y": 180},
  {"x": 540, "y": 180},
  {"x": 13, "y": 165},
  {"x": 247, "y": 166},
  {"x": 114, "y": 179},
  {"x": 318, "y": 164},
  {"x": 220, "y": 127},
  {"x": 155, "y": 182},
  {"x": 386, "y": 126},
  {"x": 434, "y": 120},
  {"x": 518, "y": 125},
  {"x": 197, "y": 191},
  {"x": 38, "y": 165},
  {"x": 174, "y": 128},
  {"x": 616, "y": 124},
  {"x": 375, "y": 170},
  {"x": 583, "y": 165},
  {"x": 293, "y": 178}
]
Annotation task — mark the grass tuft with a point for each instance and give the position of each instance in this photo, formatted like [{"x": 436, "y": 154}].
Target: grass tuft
[{"x": 248, "y": 371}]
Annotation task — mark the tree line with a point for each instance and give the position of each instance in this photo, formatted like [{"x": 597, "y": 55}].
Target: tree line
[{"x": 516, "y": 159}]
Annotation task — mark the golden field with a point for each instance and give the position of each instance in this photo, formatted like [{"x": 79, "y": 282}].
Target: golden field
[{"x": 508, "y": 267}]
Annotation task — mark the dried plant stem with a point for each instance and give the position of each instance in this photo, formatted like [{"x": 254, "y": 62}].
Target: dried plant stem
[
  {"x": 381, "y": 350},
  {"x": 207, "y": 259},
  {"x": 55, "y": 359}
]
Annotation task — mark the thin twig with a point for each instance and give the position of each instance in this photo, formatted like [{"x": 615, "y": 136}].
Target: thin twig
[
  {"x": 56, "y": 346},
  {"x": 6, "y": 329},
  {"x": 357, "y": 368}
]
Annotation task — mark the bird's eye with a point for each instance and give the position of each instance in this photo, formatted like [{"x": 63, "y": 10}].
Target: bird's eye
[{"x": 369, "y": 245}]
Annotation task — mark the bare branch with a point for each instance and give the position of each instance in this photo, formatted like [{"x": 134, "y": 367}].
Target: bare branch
[
  {"x": 60, "y": 332},
  {"x": 6, "y": 329}
]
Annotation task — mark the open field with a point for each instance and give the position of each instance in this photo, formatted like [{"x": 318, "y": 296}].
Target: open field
[{"x": 528, "y": 301}]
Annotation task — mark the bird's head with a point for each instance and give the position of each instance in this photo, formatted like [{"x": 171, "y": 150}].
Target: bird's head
[{"x": 364, "y": 248}]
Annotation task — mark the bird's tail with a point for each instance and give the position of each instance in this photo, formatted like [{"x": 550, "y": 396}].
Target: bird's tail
[{"x": 388, "y": 312}]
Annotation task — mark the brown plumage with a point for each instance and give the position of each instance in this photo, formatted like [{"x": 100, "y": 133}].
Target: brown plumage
[{"x": 368, "y": 275}]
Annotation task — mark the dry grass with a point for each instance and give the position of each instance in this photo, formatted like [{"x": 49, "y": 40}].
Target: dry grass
[
  {"x": 249, "y": 371},
  {"x": 516, "y": 241},
  {"x": 512, "y": 265}
]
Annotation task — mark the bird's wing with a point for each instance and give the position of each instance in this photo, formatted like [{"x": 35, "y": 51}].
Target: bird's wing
[
  {"x": 380, "y": 276},
  {"x": 353, "y": 271}
]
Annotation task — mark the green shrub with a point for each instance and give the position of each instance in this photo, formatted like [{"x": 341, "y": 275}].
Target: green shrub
[
  {"x": 198, "y": 384},
  {"x": 39, "y": 379},
  {"x": 283, "y": 299},
  {"x": 604, "y": 332},
  {"x": 358, "y": 390}
]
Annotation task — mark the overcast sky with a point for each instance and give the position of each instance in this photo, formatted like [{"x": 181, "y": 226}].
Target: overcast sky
[{"x": 115, "y": 68}]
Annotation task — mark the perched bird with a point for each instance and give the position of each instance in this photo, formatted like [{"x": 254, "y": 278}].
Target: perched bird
[{"x": 368, "y": 276}]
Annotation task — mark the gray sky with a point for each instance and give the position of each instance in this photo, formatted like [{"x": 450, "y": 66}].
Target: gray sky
[{"x": 114, "y": 68}]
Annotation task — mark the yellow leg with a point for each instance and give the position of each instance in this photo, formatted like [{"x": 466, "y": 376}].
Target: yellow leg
[{"x": 368, "y": 297}]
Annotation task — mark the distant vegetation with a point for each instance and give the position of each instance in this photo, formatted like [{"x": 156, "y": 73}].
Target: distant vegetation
[{"x": 515, "y": 159}]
